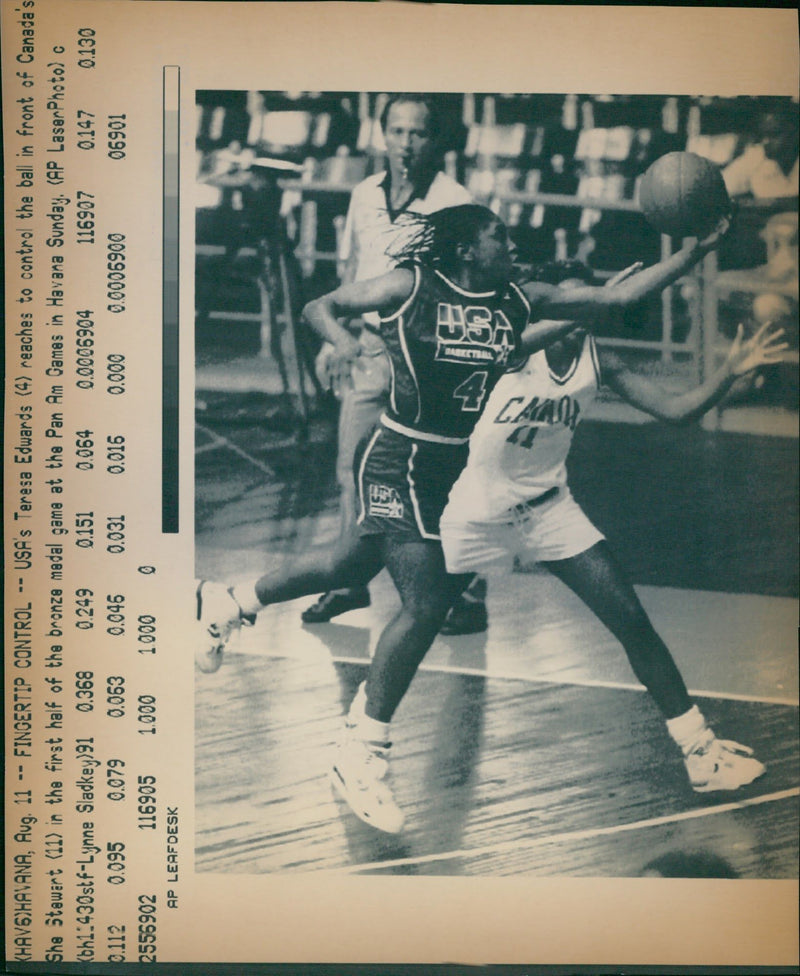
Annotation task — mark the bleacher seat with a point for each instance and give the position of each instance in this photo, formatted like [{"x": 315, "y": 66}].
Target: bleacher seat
[{"x": 720, "y": 149}]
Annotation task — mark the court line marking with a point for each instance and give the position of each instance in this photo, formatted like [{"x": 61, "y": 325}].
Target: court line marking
[
  {"x": 220, "y": 441},
  {"x": 575, "y": 835},
  {"x": 213, "y": 446},
  {"x": 531, "y": 679}
]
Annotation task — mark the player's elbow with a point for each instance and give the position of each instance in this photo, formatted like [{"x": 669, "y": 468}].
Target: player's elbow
[
  {"x": 314, "y": 311},
  {"x": 666, "y": 410}
]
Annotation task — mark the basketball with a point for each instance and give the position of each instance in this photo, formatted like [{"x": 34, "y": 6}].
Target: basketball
[{"x": 683, "y": 195}]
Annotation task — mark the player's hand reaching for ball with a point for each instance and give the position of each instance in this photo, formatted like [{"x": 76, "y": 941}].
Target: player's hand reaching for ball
[
  {"x": 712, "y": 240},
  {"x": 761, "y": 349}
]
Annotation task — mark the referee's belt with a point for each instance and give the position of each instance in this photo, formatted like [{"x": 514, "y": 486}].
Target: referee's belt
[{"x": 524, "y": 507}]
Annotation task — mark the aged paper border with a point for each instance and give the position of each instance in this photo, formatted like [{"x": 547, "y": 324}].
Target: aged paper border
[{"x": 327, "y": 46}]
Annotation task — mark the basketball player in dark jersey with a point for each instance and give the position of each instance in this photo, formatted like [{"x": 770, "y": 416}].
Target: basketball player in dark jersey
[
  {"x": 376, "y": 227},
  {"x": 452, "y": 322}
]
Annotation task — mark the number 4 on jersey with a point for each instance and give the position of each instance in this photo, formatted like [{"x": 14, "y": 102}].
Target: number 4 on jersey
[{"x": 472, "y": 391}]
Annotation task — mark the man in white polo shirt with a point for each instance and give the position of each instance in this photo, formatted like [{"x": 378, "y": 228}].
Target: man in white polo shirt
[{"x": 412, "y": 182}]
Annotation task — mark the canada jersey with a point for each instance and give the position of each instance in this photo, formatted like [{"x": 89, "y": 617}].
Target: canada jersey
[
  {"x": 519, "y": 447},
  {"x": 447, "y": 348}
]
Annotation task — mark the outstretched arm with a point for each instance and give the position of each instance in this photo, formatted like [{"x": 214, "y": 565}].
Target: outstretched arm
[
  {"x": 584, "y": 303},
  {"x": 539, "y": 334},
  {"x": 762, "y": 349},
  {"x": 383, "y": 295}
]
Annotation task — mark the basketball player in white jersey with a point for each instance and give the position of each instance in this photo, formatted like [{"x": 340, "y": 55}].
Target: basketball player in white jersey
[{"x": 512, "y": 499}]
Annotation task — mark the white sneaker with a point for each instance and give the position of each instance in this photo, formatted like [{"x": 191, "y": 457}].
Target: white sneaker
[
  {"x": 358, "y": 775},
  {"x": 722, "y": 765},
  {"x": 219, "y": 617}
]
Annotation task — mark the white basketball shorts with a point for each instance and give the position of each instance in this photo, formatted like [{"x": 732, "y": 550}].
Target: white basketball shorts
[{"x": 557, "y": 528}]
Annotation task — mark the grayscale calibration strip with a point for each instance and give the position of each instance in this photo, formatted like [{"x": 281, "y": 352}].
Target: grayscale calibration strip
[{"x": 170, "y": 303}]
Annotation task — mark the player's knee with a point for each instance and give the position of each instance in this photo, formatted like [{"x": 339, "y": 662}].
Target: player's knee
[
  {"x": 427, "y": 614},
  {"x": 349, "y": 564}
]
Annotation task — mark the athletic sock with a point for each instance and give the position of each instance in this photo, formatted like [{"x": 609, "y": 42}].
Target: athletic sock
[
  {"x": 245, "y": 596},
  {"x": 371, "y": 730},
  {"x": 366, "y": 728},
  {"x": 690, "y": 731}
]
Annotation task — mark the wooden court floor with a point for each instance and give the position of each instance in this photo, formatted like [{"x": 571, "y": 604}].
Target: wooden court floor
[{"x": 528, "y": 750}]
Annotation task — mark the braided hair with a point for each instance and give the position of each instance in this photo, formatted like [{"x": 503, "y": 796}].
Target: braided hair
[{"x": 434, "y": 238}]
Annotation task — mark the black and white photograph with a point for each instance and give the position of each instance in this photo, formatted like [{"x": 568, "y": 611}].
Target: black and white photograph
[
  {"x": 495, "y": 484},
  {"x": 401, "y": 487}
]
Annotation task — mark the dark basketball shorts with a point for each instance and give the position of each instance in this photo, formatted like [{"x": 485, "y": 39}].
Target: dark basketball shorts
[{"x": 403, "y": 483}]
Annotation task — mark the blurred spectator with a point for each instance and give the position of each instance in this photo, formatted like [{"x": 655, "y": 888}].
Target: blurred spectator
[
  {"x": 768, "y": 168},
  {"x": 767, "y": 245},
  {"x": 780, "y": 238},
  {"x": 765, "y": 173}
]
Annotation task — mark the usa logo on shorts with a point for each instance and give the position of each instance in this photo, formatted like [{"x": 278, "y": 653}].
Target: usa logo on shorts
[{"x": 385, "y": 502}]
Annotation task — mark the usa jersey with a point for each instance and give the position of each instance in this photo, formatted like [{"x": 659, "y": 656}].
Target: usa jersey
[
  {"x": 447, "y": 348},
  {"x": 519, "y": 447}
]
